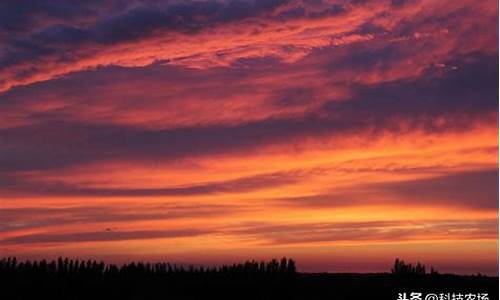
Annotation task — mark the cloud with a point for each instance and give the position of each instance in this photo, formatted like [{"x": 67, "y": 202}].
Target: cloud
[
  {"x": 476, "y": 189},
  {"x": 19, "y": 219},
  {"x": 62, "y": 38},
  {"x": 261, "y": 125},
  {"x": 26, "y": 16},
  {"x": 453, "y": 101},
  {"x": 101, "y": 236},
  {"x": 271, "y": 234},
  {"x": 86, "y": 40},
  {"x": 13, "y": 186}
]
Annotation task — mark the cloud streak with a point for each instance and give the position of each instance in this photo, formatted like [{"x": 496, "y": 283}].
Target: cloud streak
[
  {"x": 272, "y": 234},
  {"x": 370, "y": 231},
  {"x": 438, "y": 103},
  {"x": 13, "y": 186},
  {"x": 140, "y": 34},
  {"x": 16, "y": 219},
  {"x": 101, "y": 236},
  {"x": 476, "y": 190}
]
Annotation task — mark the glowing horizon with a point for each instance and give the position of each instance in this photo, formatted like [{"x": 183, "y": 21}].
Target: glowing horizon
[{"x": 341, "y": 133}]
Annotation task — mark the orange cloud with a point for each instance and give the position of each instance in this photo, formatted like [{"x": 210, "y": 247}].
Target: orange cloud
[{"x": 208, "y": 132}]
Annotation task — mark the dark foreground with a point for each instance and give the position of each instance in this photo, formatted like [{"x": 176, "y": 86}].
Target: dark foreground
[{"x": 252, "y": 280}]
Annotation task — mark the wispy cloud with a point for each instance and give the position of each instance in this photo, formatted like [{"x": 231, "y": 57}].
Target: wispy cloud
[
  {"x": 100, "y": 236},
  {"x": 477, "y": 190},
  {"x": 273, "y": 234}
]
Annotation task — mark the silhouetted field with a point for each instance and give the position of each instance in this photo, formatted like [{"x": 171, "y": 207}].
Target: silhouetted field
[{"x": 69, "y": 279}]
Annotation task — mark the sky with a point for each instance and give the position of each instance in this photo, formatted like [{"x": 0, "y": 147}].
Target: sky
[{"x": 341, "y": 133}]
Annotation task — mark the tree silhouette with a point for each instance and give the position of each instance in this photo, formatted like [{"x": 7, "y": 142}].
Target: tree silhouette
[
  {"x": 66, "y": 278},
  {"x": 402, "y": 268}
]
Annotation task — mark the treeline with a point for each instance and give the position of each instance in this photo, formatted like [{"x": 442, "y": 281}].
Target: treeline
[
  {"x": 402, "y": 268},
  {"x": 65, "y": 278},
  {"x": 76, "y": 279},
  {"x": 68, "y": 267}
]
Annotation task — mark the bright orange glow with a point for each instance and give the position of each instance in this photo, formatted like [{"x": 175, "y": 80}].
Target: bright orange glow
[{"x": 342, "y": 134}]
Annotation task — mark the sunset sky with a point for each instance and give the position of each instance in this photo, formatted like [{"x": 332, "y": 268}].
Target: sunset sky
[{"x": 341, "y": 133}]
